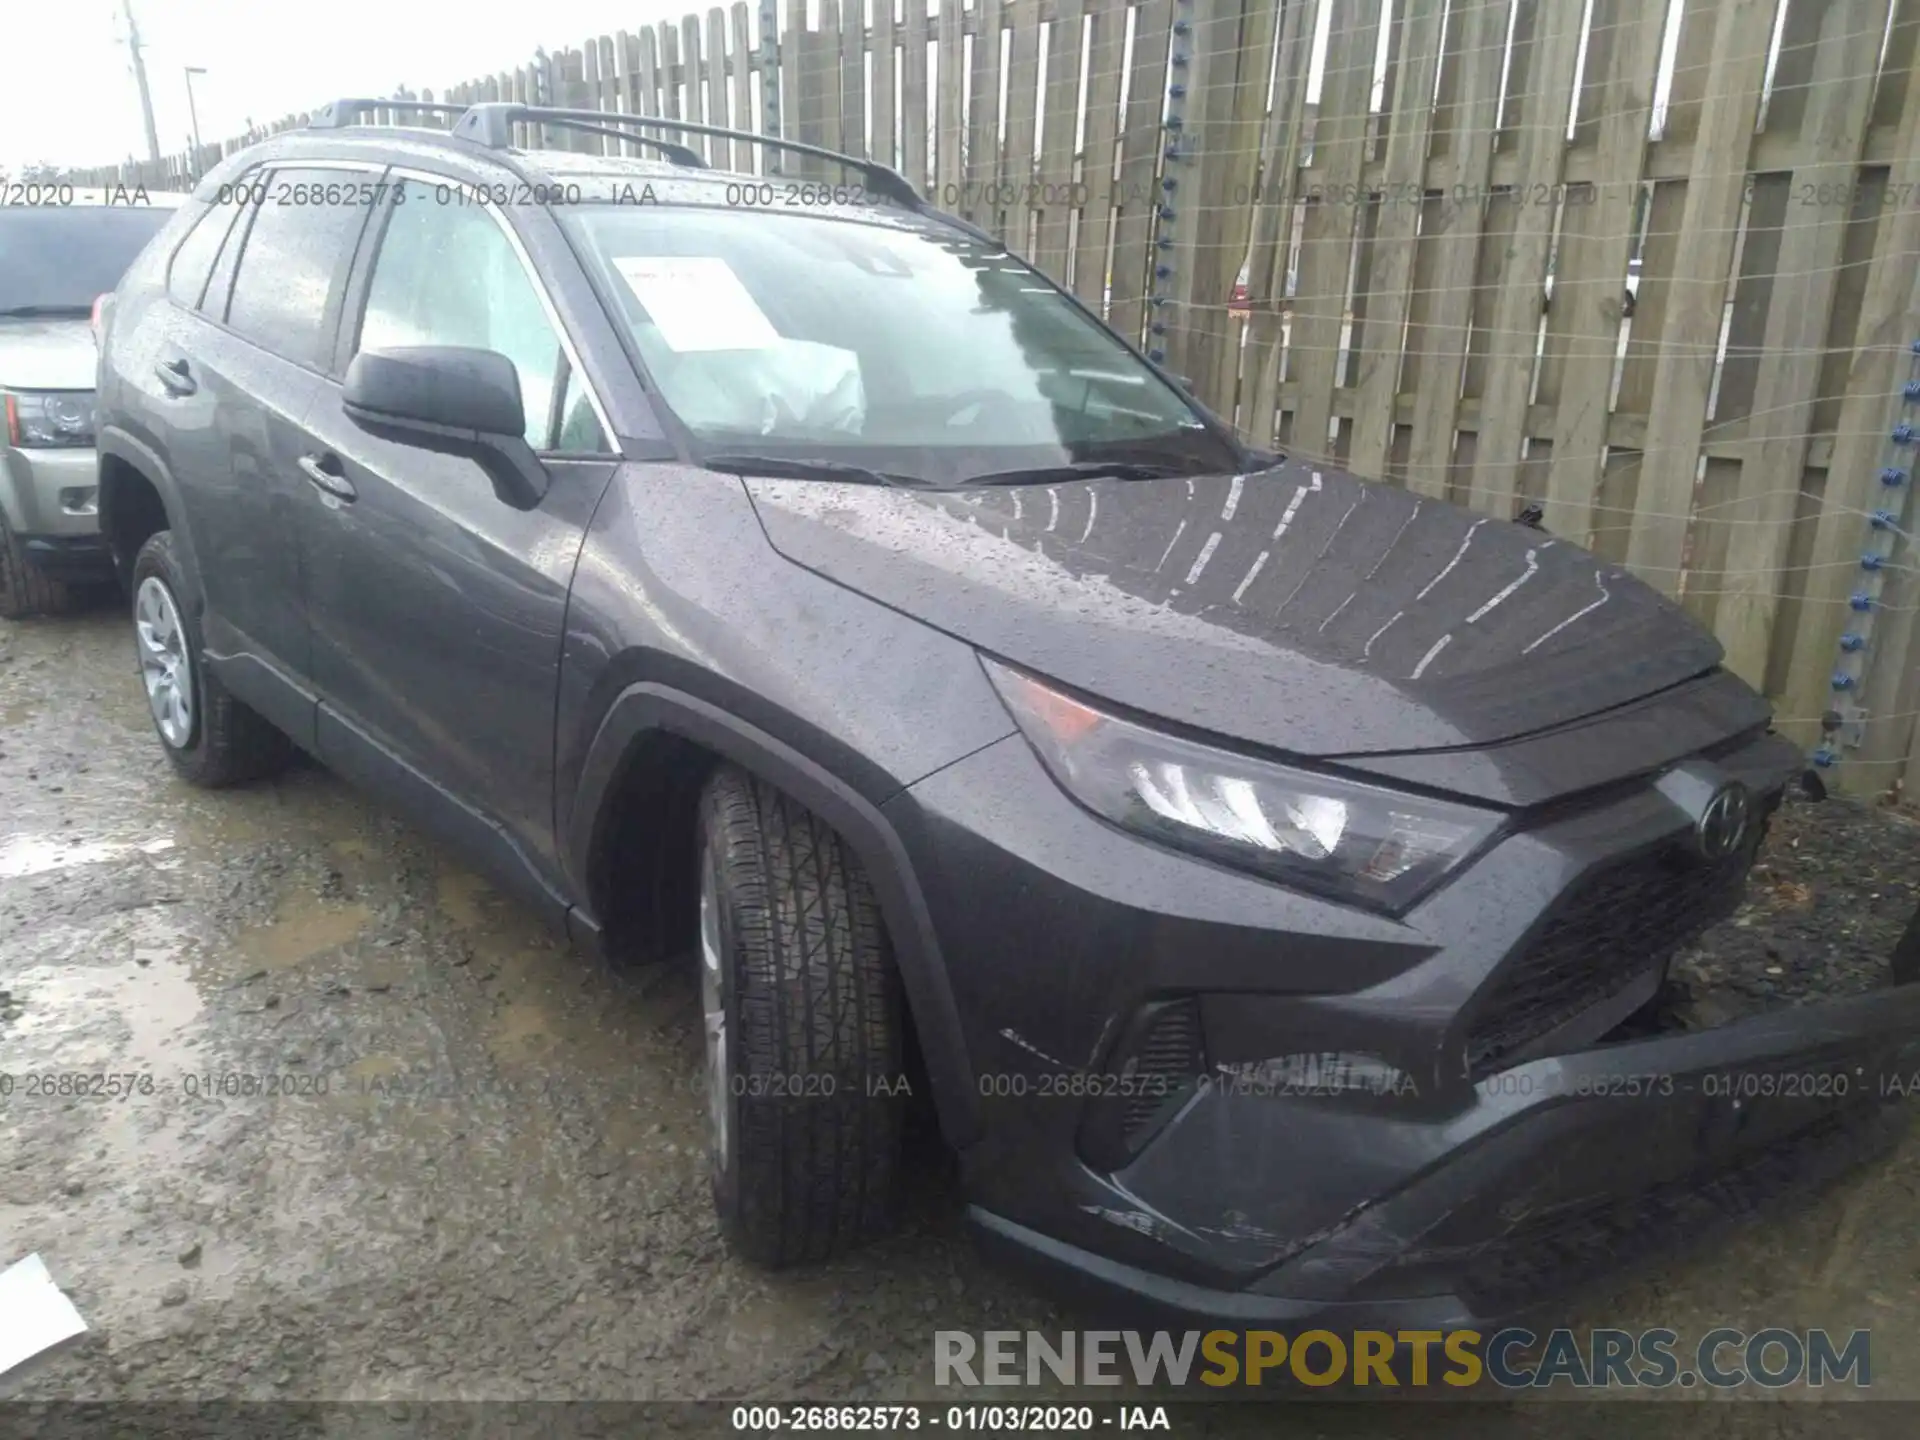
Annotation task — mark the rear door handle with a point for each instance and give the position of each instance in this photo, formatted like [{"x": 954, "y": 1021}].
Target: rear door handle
[
  {"x": 176, "y": 377},
  {"x": 330, "y": 482}
]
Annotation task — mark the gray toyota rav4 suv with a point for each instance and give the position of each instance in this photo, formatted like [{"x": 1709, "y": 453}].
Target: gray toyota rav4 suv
[
  {"x": 61, "y": 248},
  {"x": 1270, "y": 876}
]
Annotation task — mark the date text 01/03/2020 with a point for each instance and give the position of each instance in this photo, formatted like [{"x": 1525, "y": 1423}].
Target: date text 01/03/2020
[{"x": 1033, "y": 1419}]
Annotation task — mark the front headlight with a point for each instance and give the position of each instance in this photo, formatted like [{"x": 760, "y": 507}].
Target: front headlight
[
  {"x": 50, "y": 418},
  {"x": 1353, "y": 842}
]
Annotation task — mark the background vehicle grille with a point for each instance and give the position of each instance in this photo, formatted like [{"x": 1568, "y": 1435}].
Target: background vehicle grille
[{"x": 1613, "y": 928}]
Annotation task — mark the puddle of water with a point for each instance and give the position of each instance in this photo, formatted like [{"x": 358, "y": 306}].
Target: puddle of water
[
  {"x": 302, "y": 927},
  {"x": 25, "y": 855}
]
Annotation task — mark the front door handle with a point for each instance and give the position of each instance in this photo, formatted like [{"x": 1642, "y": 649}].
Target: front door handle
[
  {"x": 176, "y": 377},
  {"x": 331, "y": 482}
]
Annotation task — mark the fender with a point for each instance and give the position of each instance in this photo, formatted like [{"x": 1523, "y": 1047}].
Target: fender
[
  {"x": 649, "y": 706},
  {"x": 123, "y": 445}
]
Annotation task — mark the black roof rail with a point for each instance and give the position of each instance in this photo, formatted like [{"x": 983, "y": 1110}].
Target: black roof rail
[
  {"x": 491, "y": 124},
  {"x": 337, "y": 114},
  {"x": 678, "y": 154}
]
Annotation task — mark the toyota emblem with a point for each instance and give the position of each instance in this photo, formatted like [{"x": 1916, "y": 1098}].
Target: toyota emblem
[{"x": 1722, "y": 831}]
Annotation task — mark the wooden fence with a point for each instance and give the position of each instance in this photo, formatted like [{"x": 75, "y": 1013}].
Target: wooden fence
[{"x": 1437, "y": 249}]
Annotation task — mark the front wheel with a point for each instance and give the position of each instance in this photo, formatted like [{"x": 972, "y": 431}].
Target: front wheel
[
  {"x": 212, "y": 739},
  {"x": 804, "y": 1021}
]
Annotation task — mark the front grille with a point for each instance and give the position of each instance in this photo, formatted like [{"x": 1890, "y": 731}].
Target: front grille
[
  {"x": 1570, "y": 1248},
  {"x": 1614, "y": 927}
]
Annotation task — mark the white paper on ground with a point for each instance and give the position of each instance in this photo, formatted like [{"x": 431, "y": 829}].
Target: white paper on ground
[
  {"x": 34, "y": 1314},
  {"x": 697, "y": 302}
]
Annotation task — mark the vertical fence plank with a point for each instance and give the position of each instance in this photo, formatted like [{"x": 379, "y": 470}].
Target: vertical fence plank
[
  {"x": 826, "y": 81},
  {"x": 981, "y": 203},
  {"x": 882, "y": 118},
  {"x": 1596, "y": 243},
  {"x": 1889, "y": 322},
  {"x": 1415, "y": 61},
  {"x": 744, "y": 156},
  {"x": 793, "y": 106},
  {"x": 1228, "y": 176},
  {"x": 1715, "y": 185},
  {"x": 1280, "y": 152},
  {"x": 648, "y": 81},
  {"x": 1107, "y": 20},
  {"x": 693, "y": 106},
  {"x": 913, "y": 94},
  {"x": 1446, "y": 259},
  {"x": 1140, "y": 146},
  {"x": 1546, "y": 86},
  {"x": 853, "y": 77},
  {"x": 722, "y": 150},
  {"x": 1845, "y": 45},
  {"x": 1023, "y": 106},
  {"x": 669, "y": 35},
  {"x": 949, "y": 116},
  {"x": 1326, "y": 250},
  {"x": 1055, "y": 173}
]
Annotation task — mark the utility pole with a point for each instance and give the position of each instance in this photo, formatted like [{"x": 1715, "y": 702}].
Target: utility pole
[{"x": 140, "y": 77}]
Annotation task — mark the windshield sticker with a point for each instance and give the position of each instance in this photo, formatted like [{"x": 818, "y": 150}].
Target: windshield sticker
[{"x": 697, "y": 302}]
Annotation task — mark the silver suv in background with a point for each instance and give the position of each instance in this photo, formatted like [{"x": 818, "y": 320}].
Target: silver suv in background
[{"x": 61, "y": 248}]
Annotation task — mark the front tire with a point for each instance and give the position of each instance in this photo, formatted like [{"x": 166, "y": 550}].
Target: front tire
[
  {"x": 212, "y": 739},
  {"x": 26, "y": 590},
  {"x": 804, "y": 1025}
]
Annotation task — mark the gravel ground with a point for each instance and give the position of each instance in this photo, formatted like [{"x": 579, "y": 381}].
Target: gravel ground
[{"x": 500, "y": 1193}]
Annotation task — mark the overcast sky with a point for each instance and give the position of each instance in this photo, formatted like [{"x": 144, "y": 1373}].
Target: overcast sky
[{"x": 76, "y": 104}]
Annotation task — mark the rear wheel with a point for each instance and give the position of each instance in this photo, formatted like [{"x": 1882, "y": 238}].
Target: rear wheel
[
  {"x": 212, "y": 739},
  {"x": 804, "y": 1025},
  {"x": 26, "y": 590}
]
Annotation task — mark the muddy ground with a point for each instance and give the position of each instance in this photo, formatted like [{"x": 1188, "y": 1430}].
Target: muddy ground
[{"x": 501, "y": 1193}]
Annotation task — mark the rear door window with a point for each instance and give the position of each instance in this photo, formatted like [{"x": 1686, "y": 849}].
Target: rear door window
[{"x": 294, "y": 264}]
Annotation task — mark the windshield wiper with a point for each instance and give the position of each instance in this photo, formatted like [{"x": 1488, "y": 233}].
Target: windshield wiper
[
  {"x": 778, "y": 467},
  {"x": 39, "y": 312},
  {"x": 1082, "y": 470}
]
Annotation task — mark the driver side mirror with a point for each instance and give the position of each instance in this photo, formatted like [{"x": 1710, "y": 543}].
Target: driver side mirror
[{"x": 452, "y": 400}]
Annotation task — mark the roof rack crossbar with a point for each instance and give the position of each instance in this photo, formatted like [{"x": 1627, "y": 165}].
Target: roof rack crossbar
[
  {"x": 337, "y": 114},
  {"x": 491, "y": 124}
]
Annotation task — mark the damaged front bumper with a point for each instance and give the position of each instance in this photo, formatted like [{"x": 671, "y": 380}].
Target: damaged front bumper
[
  {"x": 1511, "y": 1112},
  {"x": 1559, "y": 1171}
]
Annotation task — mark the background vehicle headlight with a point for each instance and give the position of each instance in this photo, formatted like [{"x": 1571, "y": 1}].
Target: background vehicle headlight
[
  {"x": 49, "y": 418},
  {"x": 1354, "y": 842}
]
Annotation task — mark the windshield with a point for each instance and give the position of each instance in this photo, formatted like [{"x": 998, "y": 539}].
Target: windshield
[
  {"x": 917, "y": 351},
  {"x": 65, "y": 257}
]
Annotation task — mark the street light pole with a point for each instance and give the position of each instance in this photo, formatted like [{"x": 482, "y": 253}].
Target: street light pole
[
  {"x": 140, "y": 77},
  {"x": 193, "y": 113}
]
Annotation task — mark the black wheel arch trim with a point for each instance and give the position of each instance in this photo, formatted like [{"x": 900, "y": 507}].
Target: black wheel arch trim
[
  {"x": 121, "y": 445},
  {"x": 647, "y": 707}
]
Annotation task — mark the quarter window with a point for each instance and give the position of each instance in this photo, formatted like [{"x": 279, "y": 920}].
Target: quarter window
[{"x": 193, "y": 261}]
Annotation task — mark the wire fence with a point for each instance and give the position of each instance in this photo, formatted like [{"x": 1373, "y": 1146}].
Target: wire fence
[{"x": 1652, "y": 265}]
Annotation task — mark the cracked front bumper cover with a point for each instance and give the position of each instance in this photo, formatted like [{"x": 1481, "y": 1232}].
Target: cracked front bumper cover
[{"x": 1564, "y": 1170}]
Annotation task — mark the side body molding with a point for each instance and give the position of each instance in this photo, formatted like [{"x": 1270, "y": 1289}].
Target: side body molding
[{"x": 649, "y": 706}]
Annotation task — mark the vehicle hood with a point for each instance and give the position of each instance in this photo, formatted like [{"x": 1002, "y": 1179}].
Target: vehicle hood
[
  {"x": 1299, "y": 608},
  {"x": 54, "y": 354}
]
